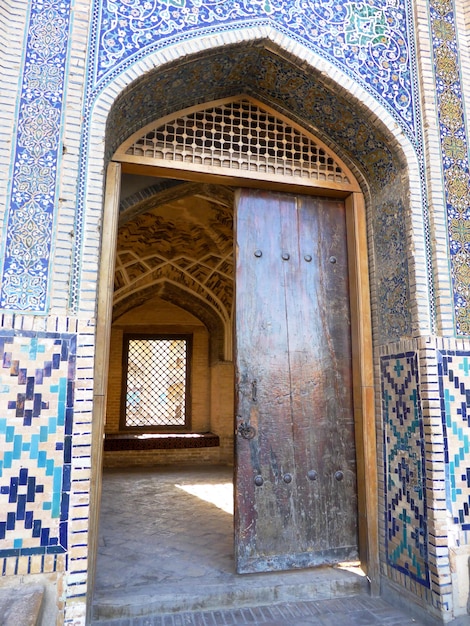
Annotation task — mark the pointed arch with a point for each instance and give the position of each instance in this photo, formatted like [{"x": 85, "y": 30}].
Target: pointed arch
[{"x": 239, "y": 138}]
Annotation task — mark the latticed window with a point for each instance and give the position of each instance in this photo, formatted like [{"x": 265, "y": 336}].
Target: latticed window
[
  {"x": 156, "y": 382},
  {"x": 241, "y": 135}
]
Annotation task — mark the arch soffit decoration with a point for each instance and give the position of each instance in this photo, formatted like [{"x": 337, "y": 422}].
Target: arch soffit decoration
[
  {"x": 201, "y": 256},
  {"x": 186, "y": 300},
  {"x": 291, "y": 87},
  {"x": 373, "y": 153},
  {"x": 165, "y": 190}
]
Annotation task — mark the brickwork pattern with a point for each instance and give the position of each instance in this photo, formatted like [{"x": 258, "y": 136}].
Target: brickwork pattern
[
  {"x": 13, "y": 16},
  {"x": 425, "y": 387},
  {"x": 45, "y": 436},
  {"x": 354, "y": 611}
]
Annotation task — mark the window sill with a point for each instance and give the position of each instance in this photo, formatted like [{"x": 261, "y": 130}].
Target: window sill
[{"x": 159, "y": 441}]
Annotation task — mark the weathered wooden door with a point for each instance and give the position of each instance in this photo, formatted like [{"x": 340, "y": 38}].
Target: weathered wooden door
[{"x": 296, "y": 503}]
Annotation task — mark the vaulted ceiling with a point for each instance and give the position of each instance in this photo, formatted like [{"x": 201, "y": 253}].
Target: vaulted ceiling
[{"x": 175, "y": 240}]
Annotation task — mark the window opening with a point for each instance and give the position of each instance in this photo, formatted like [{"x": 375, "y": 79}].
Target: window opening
[
  {"x": 236, "y": 135},
  {"x": 156, "y": 382}
]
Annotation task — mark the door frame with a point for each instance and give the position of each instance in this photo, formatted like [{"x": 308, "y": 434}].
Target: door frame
[{"x": 362, "y": 363}]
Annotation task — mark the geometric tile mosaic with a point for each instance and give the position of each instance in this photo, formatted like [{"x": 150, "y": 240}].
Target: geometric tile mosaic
[
  {"x": 37, "y": 374},
  {"x": 454, "y": 393},
  {"x": 404, "y": 477}
]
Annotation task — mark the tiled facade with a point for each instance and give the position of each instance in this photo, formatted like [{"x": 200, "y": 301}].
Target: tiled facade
[
  {"x": 39, "y": 370},
  {"x": 383, "y": 84},
  {"x": 406, "y": 536}
]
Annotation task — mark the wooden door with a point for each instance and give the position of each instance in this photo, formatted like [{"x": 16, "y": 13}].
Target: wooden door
[{"x": 295, "y": 478}]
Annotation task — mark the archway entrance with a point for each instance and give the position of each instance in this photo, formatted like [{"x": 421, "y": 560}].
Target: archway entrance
[{"x": 294, "y": 467}]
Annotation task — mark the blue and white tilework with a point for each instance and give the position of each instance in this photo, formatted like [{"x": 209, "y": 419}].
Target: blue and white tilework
[
  {"x": 404, "y": 470},
  {"x": 454, "y": 152},
  {"x": 27, "y": 254},
  {"x": 37, "y": 374},
  {"x": 454, "y": 391},
  {"x": 368, "y": 39}
]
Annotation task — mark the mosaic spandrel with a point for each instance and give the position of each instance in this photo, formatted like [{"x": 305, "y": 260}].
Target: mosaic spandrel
[{"x": 369, "y": 40}]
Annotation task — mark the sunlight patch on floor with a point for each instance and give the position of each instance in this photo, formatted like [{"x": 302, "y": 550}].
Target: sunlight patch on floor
[
  {"x": 220, "y": 494},
  {"x": 351, "y": 566}
]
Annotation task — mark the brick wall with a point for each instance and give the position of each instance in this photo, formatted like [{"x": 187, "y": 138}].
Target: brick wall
[{"x": 211, "y": 387}]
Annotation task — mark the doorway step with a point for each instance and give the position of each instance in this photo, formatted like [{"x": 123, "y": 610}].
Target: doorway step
[
  {"x": 166, "y": 546},
  {"x": 249, "y": 590}
]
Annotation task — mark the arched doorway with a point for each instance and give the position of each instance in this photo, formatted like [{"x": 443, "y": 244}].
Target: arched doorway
[
  {"x": 377, "y": 161},
  {"x": 267, "y": 142}
]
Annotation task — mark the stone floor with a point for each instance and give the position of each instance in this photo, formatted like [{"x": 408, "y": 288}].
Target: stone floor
[{"x": 166, "y": 559}]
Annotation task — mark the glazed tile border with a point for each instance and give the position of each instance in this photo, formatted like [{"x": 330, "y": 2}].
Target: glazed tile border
[
  {"x": 31, "y": 205},
  {"x": 454, "y": 394},
  {"x": 454, "y": 151}
]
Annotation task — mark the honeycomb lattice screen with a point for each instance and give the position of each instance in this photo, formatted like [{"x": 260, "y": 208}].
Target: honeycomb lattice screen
[
  {"x": 156, "y": 385},
  {"x": 239, "y": 135}
]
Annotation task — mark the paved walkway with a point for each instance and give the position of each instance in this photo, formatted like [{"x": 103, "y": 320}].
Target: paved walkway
[
  {"x": 165, "y": 558},
  {"x": 354, "y": 611}
]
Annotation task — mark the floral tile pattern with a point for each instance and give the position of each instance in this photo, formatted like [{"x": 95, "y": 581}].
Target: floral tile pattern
[
  {"x": 26, "y": 263},
  {"x": 367, "y": 39},
  {"x": 454, "y": 150}
]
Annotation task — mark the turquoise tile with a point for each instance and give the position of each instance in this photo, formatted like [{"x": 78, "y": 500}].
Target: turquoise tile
[
  {"x": 465, "y": 366},
  {"x": 33, "y": 350},
  {"x": 33, "y": 454},
  {"x": 57, "y": 491},
  {"x": 62, "y": 390},
  {"x": 52, "y": 425},
  {"x": 10, "y": 433},
  {"x": 49, "y": 467},
  {"x": 43, "y": 434},
  {"x": 61, "y": 414},
  {"x": 17, "y": 447}
]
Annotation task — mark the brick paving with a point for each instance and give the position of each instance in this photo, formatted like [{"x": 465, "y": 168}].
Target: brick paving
[
  {"x": 352, "y": 611},
  {"x": 165, "y": 558}
]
